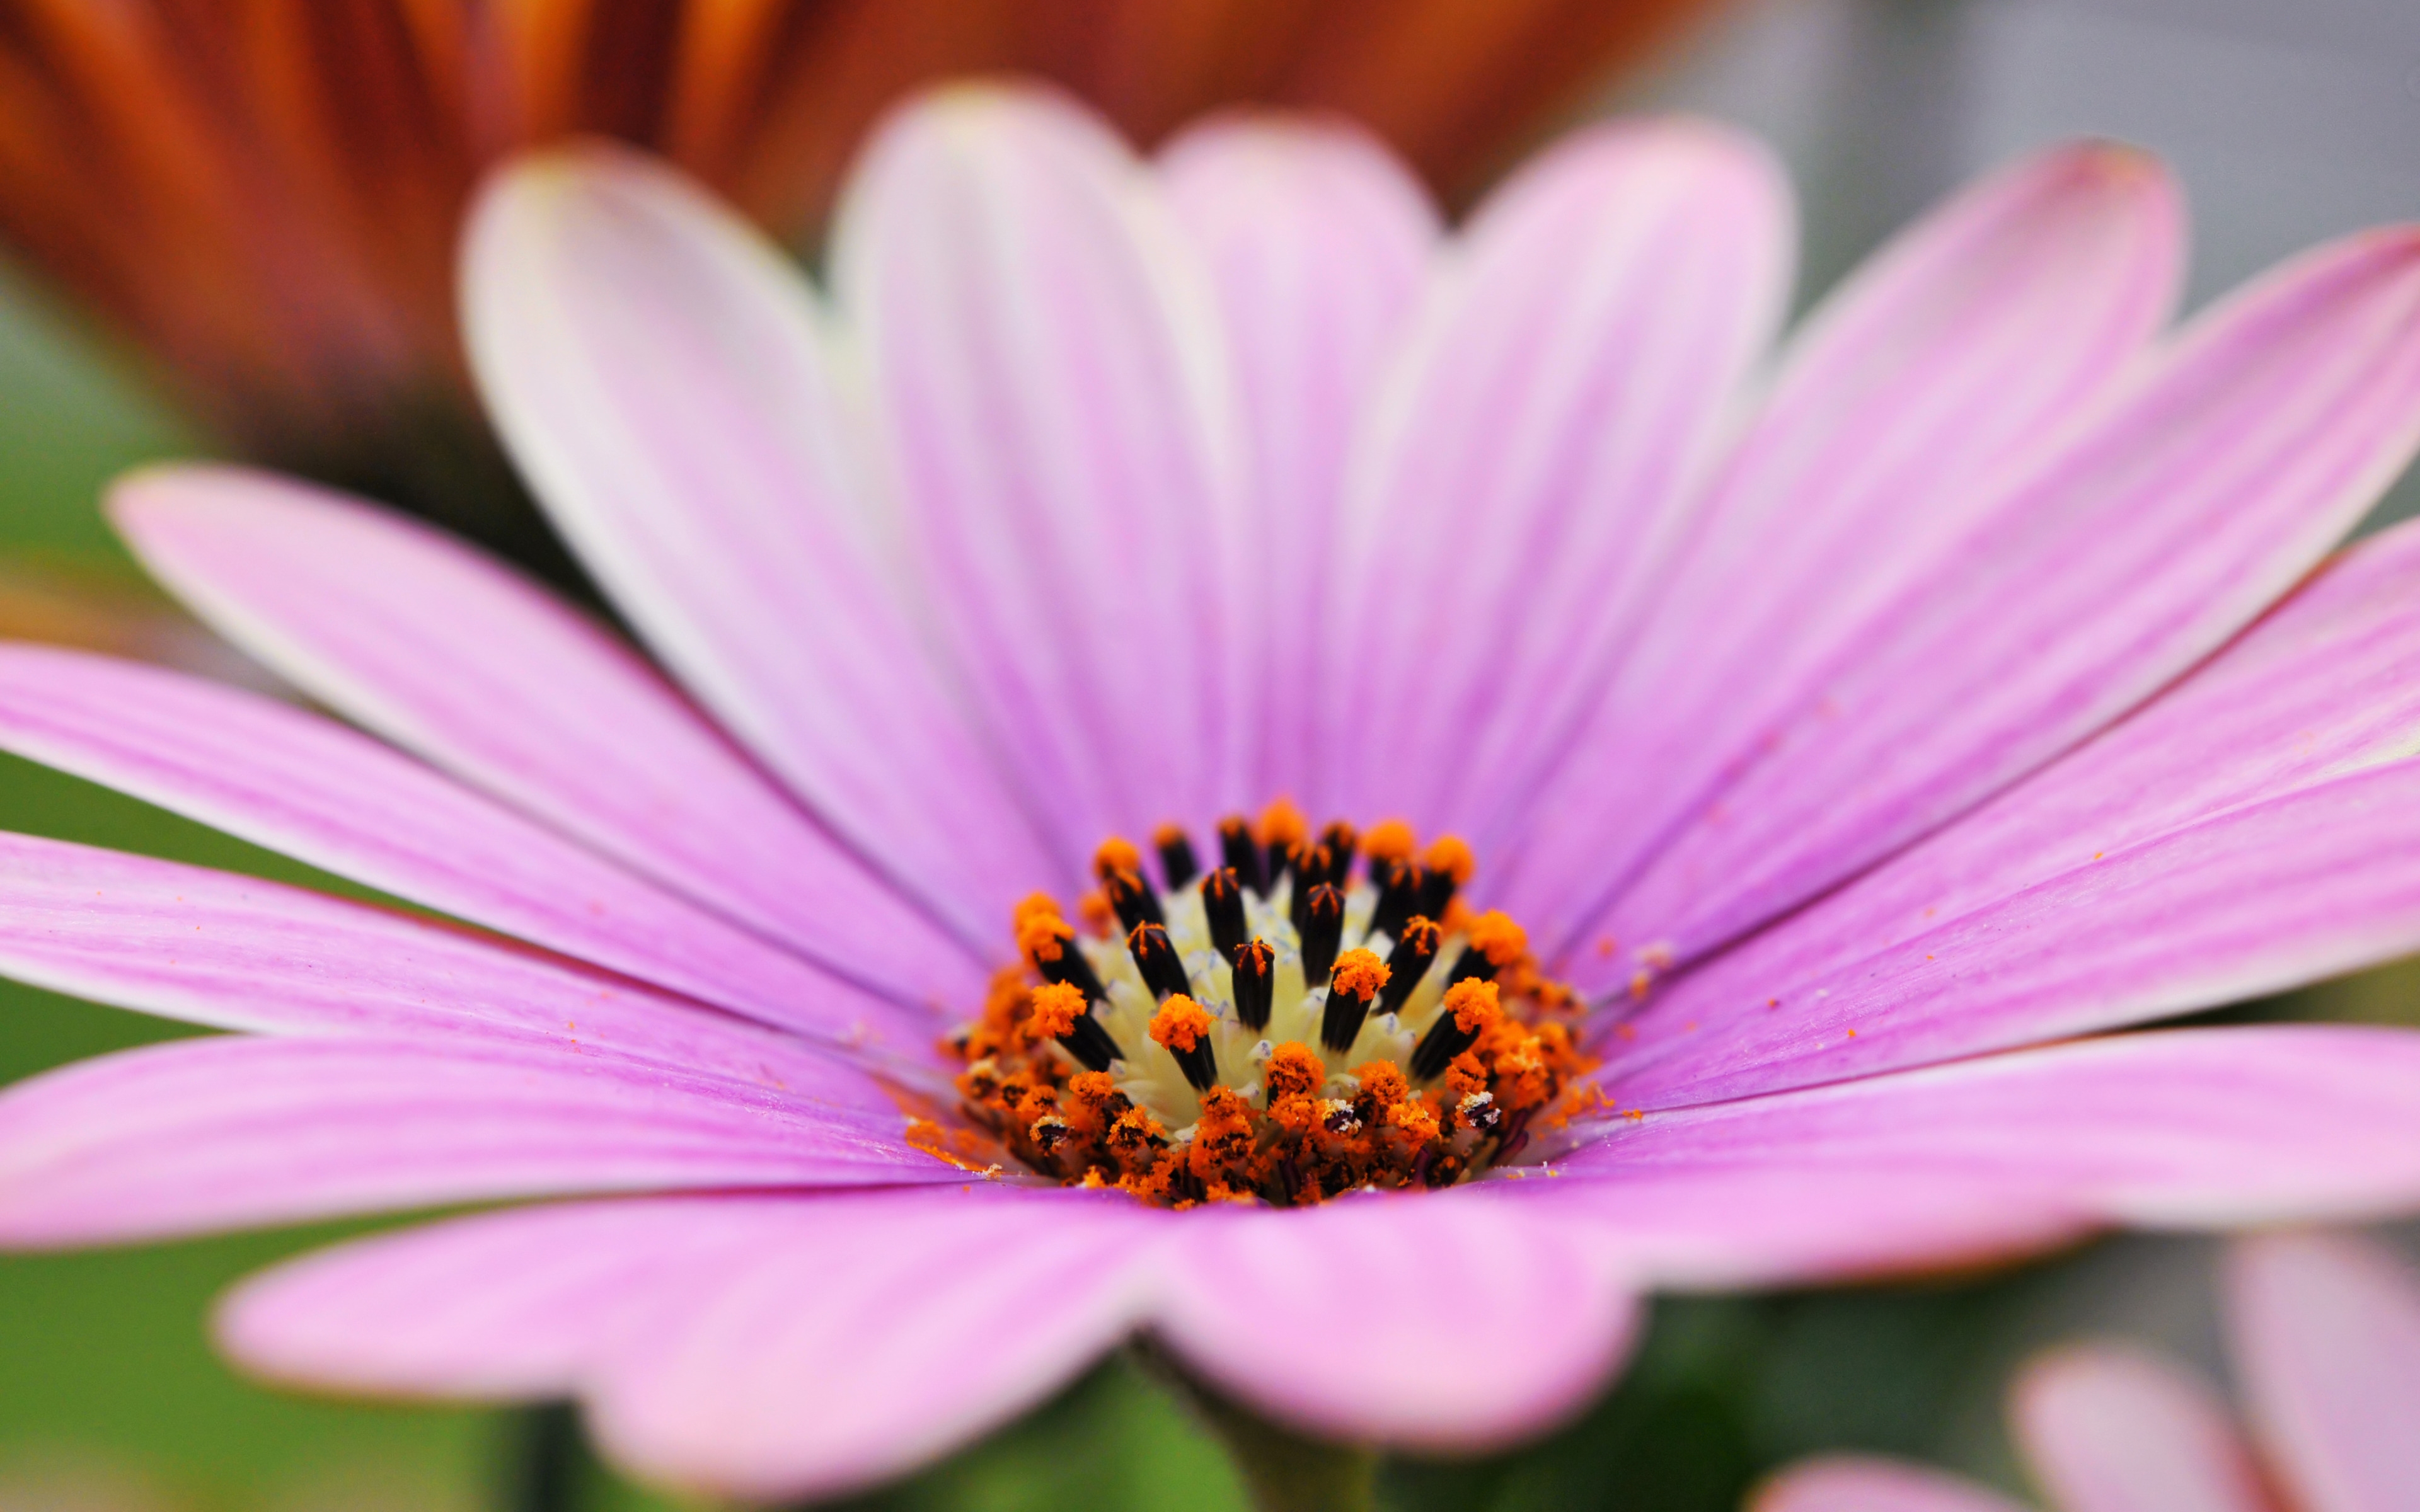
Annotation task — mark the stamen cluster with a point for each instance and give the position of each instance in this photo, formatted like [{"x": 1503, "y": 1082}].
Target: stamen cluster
[{"x": 1271, "y": 1029}]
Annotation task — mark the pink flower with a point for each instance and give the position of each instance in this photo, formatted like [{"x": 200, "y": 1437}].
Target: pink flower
[
  {"x": 2325, "y": 1331},
  {"x": 1856, "y": 735}
]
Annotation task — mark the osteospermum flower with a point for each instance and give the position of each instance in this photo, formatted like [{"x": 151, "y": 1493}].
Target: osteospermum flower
[
  {"x": 1239, "y": 768},
  {"x": 2325, "y": 1334}
]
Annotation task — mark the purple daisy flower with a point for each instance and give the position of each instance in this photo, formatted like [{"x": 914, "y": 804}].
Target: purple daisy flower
[{"x": 1809, "y": 749}]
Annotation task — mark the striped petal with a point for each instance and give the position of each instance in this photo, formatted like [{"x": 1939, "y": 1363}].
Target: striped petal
[
  {"x": 483, "y": 673},
  {"x": 1862, "y": 1483},
  {"x": 1520, "y": 485},
  {"x": 2108, "y": 1429},
  {"x": 2325, "y": 1331},
  {"x": 1055, "y": 412},
  {"x": 661, "y": 374},
  {"x": 2186, "y": 1129},
  {"x": 235, "y": 952},
  {"x": 302, "y": 785},
  {"x": 2189, "y": 504},
  {"x": 1317, "y": 243},
  {"x": 1257, "y": 1303},
  {"x": 771, "y": 1349},
  {"x": 2258, "y": 900},
  {"x": 211, "y": 1135}
]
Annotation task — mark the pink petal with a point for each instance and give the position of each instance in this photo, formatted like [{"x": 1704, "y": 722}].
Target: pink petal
[
  {"x": 2184, "y": 508},
  {"x": 773, "y": 1348},
  {"x": 1522, "y": 480},
  {"x": 1317, "y": 241},
  {"x": 1935, "y": 369},
  {"x": 2326, "y": 686},
  {"x": 480, "y": 670},
  {"x": 219, "y": 1134},
  {"x": 2325, "y": 1332},
  {"x": 300, "y": 785},
  {"x": 866, "y": 1335},
  {"x": 1054, "y": 406},
  {"x": 2257, "y": 900},
  {"x": 235, "y": 952},
  {"x": 1860, "y": 1483},
  {"x": 2108, "y": 1429},
  {"x": 1387, "y": 1318},
  {"x": 660, "y": 373},
  {"x": 2174, "y": 1129}
]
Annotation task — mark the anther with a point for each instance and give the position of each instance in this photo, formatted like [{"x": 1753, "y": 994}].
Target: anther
[
  {"x": 1322, "y": 931},
  {"x": 1255, "y": 980},
  {"x": 1471, "y": 1008},
  {"x": 1446, "y": 867},
  {"x": 1061, "y": 1012},
  {"x": 1177, "y": 865},
  {"x": 1155, "y": 957},
  {"x": 1132, "y": 900},
  {"x": 1182, "y": 1027},
  {"x": 1050, "y": 945},
  {"x": 1222, "y": 906},
  {"x": 1115, "y": 855},
  {"x": 1309, "y": 864},
  {"x": 1397, "y": 900},
  {"x": 1282, "y": 829},
  {"x": 1240, "y": 855},
  {"x": 1356, "y": 981},
  {"x": 1339, "y": 838},
  {"x": 1495, "y": 942},
  {"x": 1407, "y": 963}
]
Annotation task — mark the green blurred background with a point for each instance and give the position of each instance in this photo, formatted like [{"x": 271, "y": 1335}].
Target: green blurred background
[{"x": 108, "y": 1392}]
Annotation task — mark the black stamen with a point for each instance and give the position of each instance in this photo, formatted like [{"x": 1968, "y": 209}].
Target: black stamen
[
  {"x": 1223, "y": 905},
  {"x": 1241, "y": 855},
  {"x": 1445, "y": 1039},
  {"x": 1397, "y": 900},
  {"x": 1091, "y": 1043},
  {"x": 1309, "y": 865},
  {"x": 1323, "y": 931},
  {"x": 1200, "y": 1064},
  {"x": 1133, "y": 899},
  {"x": 1281, "y": 860},
  {"x": 1408, "y": 962},
  {"x": 1471, "y": 965},
  {"x": 1340, "y": 1024},
  {"x": 1341, "y": 840},
  {"x": 1437, "y": 890},
  {"x": 1072, "y": 968},
  {"x": 1156, "y": 958},
  {"x": 1177, "y": 865},
  {"x": 1255, "y": 978}
]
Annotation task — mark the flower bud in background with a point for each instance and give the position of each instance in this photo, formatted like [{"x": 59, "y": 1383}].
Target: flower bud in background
[{"x": 263, "y": 195}]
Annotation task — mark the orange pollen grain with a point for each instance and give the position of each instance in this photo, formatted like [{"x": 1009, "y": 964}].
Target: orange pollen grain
[
  {"x": 1390, "y": 840},
  {"x": 1450, "y": 855},
  {"x": 1042, "y": 937},
  {"x": 1116, "y": 854},
  {"x": 1295, "y": 1069},
  {"x": 1498, "y": 937},
  {"x": 1180, "y": 1024},
  {"x": 1474, "y": 1005},
  {"x": 1282, "y": 822},
  {"x": 1034, "y": 905},
  {"x": 1055, "y": 1008},
  {"x": 1359, "y": 974}
]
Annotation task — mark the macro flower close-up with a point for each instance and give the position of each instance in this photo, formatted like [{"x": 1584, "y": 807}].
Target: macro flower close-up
[
  {"x": 1187, "y": 754},
  {"x": 2323, "y": 1332}
]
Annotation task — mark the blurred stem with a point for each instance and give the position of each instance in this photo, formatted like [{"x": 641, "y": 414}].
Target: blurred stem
[
  {"x": 1283, "y": 1471},
  {"x": 543, "y": 1460}
]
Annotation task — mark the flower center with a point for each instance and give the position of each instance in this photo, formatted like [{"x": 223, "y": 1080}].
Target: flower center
[{"x": 1275, "y": 1028}]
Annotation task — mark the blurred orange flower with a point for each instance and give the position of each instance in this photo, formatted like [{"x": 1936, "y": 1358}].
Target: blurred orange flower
[{"x": 263, "y": 193}]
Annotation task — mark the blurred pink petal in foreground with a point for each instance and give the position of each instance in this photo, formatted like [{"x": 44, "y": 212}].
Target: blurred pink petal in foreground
[
  {"x": 2324, "y": 1331},
  {"x": 1863, "y": 727}
]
